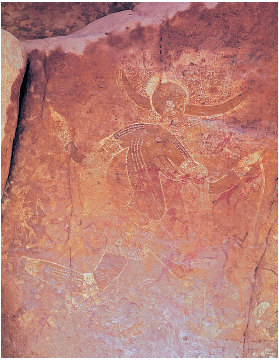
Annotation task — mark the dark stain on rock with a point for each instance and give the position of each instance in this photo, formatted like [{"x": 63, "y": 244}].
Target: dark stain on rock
[
  {"x": 10, "y": 127},
  {"x": 31, "y": 100},
  {"x": 116, "y": 41},
  {"x": 131, "y": 38},
  {"x": 139, "y": 33},
  {"x": 19, "y": 128}
]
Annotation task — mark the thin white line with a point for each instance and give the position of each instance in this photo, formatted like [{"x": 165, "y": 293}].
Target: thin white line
[
  {"x": 162, "y": 262},
  {"x": 262, "y": 192}
]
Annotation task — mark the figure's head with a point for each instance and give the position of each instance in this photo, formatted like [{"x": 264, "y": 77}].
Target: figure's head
[
  {"x": 169, "y": 99},
  {"x": 176, "y": 257}
]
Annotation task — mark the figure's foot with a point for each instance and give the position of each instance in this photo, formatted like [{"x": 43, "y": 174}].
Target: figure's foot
[{"x": 58, "y": 275}]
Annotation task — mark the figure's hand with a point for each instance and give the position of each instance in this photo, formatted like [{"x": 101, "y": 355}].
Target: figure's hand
[
  {"x": 60, "y": 127},
  {"x": 245, "y": 164},
  {"x": 111, "y": 145},
  {"x": 195, "y": 172}
]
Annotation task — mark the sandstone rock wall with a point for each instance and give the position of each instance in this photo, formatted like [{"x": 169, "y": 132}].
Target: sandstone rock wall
[{"x": 141, "y": 215}]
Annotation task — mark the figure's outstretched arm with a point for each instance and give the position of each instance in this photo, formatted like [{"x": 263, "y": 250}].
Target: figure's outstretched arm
[
  {"x": 109, "y": 147},
  {"x": 235, "y": 175},
  {"x": 61, "y": 130},
  {"x": 189, "y": 169},
  {"x": 174, "y": 161}
]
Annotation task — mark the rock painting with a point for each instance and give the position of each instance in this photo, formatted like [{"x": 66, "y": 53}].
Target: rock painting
[
  {"x": 151, "y": 152},
  {"x": 142, "y": 201}
]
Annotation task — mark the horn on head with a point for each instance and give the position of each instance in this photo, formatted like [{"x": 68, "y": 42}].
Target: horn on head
[
  {"x": 208, "y": 110},
  {"x": 173, "y": 96},
  {"x": 141, "y": 101}
]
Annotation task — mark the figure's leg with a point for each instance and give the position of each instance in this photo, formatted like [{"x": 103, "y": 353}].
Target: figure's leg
[
  {"x": 164, "y": 271},
  {"x": 229, "y": 205},
  {"x": 109, "y": 268}
]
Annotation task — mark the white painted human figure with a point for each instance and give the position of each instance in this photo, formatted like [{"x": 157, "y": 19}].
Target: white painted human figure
[{"x": 151, "y": 150}]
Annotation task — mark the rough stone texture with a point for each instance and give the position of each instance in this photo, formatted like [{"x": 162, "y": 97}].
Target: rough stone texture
[
  {"x": 141, "y": 217},
  {"x": 29, "y": 20},
  {"x": 13, "y": 63}
]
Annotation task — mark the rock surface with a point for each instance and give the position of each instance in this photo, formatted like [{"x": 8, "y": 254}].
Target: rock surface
[
  {"x": 13, "y": 63},
  {"x": 29, "y": 20},
  {"x": 141, "y": 216}
]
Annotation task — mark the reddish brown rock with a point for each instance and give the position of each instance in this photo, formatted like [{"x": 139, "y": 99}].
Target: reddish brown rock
[
  {"x": 29, "y": 20},
  {"x": 141, "y": 216},
  {"x": 13, "y": 63}
]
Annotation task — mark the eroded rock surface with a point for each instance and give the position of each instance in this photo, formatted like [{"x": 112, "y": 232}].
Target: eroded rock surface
[
  {"x": 140, "y": 220},
  {"x": 29, "y": 20},
  {"x": 13, "y": 63}
]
